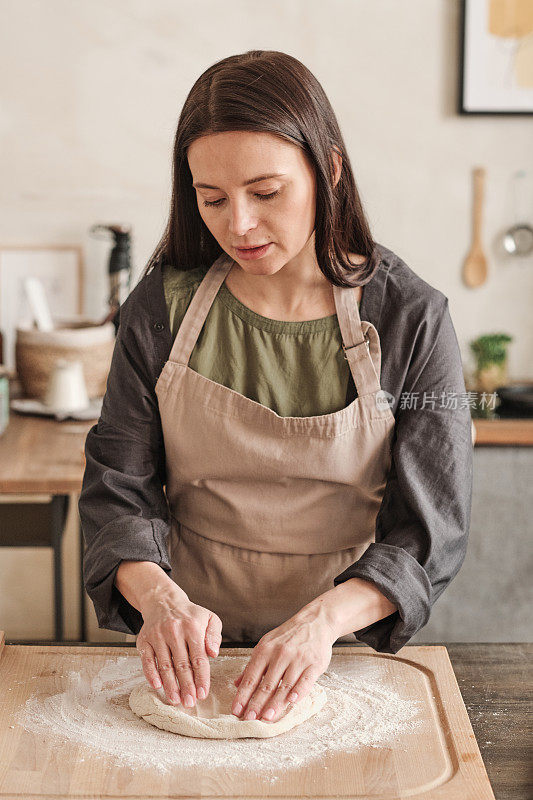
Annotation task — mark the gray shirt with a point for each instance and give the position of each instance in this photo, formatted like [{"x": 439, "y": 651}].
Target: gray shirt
[{"x": 423, "y": 522}]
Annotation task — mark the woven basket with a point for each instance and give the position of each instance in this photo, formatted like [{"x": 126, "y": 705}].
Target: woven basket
[{"x": 36, "y": 353}]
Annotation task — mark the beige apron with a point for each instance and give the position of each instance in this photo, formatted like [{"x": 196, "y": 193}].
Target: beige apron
[{"x": 266, "y": 510}]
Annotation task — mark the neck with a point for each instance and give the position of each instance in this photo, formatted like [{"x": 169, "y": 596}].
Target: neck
[{"x": 293, "y": 288}]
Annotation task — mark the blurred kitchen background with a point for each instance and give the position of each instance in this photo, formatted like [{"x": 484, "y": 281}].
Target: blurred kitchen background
[{"x": 436, "y": 115}]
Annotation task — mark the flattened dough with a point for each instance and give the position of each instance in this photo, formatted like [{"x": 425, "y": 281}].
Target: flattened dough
[{"x": 212, "y": 718}]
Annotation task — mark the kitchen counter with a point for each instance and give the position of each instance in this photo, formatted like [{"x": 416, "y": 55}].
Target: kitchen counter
[
  {"x": 510, "y": 432},
  {"x": 495, "y": 681}
]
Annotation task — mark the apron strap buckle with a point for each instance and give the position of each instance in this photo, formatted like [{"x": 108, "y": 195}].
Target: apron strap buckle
[{"x": 365, "y": 340}]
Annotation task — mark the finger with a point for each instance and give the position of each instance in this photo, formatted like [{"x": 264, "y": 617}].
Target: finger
[
  {"x": 200, "y": 666},
  {"x": 250, "y": 680},
  {"x": 213, "y": 635},
  {"x": 260, "y": 699},
  {"x": 304, "y": 684},
  {"x": 147, "y": 654},
  {"x": 184, "y": 672},
  {"x": 280, "y": 699},
  {"x": 165, "y": 667}
]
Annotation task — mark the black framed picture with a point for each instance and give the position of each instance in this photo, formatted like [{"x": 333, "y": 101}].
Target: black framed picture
[{"x": 496, "y": 75}]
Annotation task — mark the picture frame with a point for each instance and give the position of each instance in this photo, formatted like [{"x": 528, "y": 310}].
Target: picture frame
[
  {"x": 60, "y": 268},
  {"x": 496, "y": 67}
]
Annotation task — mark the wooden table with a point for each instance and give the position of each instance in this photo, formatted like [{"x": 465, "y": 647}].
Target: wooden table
[
  {"x": 42, "y": 456},
  {"x": 39, "y": 455},
  {"x": 495, "y": 681}
]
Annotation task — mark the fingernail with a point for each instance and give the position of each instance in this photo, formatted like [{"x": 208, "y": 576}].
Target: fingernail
[
  {"x": 157, "y": 683},
  {"x": 189, "y": 702},
  {"x": 293, "y": 696},
  {"x": 237, "y": 710},
  {"x": 174, "y": 697},
  {"x": 201, "y": 693},
  {"x": 269, "y": 714},
  {"x": 250, "y": 715}
]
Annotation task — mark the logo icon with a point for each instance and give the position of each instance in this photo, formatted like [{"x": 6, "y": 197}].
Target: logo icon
[{"x": 384, "y": 399}]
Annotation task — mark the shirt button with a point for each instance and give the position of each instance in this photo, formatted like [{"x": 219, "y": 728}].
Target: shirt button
[{"x": 159, "y": 326}]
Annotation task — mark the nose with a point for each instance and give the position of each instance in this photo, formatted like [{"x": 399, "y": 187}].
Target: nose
[{"x": 242, "y": 218}]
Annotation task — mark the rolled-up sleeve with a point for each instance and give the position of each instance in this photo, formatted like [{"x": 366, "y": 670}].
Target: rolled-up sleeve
[
  {"x": 423, "y": 523},
  {"x": 122, "y": 505}
]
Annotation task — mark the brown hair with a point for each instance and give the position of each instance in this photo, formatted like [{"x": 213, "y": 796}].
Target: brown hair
[{"x": 272, "y": 92}]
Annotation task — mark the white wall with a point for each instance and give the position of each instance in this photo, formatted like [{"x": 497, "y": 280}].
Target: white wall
[{"x": 91, "y": 93}]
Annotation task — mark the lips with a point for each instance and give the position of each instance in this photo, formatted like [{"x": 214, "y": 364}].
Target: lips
[{"x": 253, "y": 252}]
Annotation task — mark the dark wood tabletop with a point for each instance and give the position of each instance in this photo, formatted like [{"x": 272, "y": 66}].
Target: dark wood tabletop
[{"x": 495, "y": 681}]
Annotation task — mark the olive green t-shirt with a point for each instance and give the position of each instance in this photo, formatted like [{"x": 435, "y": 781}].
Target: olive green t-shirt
[{"x": 296, "y": 369}]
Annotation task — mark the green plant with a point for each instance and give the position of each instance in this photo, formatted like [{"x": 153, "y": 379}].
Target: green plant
[{"x": 491, "y": 348}]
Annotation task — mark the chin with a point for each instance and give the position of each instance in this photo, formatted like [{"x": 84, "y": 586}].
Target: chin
[
  {"x": 259, "y": 269},
  {"x": 263, "y": 266}
]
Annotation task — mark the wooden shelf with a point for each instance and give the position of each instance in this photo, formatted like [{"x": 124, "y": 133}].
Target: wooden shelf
[{"x": 515, "y": 432}]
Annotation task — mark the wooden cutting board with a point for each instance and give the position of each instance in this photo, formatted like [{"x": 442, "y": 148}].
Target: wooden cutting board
[{"x": 440, "y": 761}]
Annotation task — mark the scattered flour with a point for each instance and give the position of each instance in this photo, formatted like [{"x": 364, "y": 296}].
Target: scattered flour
[{"x": 363, "y": 709}]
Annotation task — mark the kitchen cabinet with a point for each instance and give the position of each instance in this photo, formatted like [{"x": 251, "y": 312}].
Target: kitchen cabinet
[{"x": 490, "y": 598}]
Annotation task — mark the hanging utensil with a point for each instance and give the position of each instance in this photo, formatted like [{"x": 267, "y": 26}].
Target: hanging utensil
[
  {"x": 475, "y": 265},
  {"x": 518, "y": 240}
]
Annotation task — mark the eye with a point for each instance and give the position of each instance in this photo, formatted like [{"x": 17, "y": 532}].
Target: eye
[
  {"x": 259, "y": 196},
  {"x": 267, "y": 196}
]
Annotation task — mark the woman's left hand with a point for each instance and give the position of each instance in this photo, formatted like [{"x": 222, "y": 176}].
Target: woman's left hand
[{"x": 295, "y": 653}]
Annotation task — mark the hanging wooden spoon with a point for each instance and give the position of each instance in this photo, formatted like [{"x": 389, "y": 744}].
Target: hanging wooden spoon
[{"x": 475, "y": 265}]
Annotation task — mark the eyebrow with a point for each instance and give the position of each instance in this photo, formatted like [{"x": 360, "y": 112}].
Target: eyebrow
[{"x": 246, "y": 183}]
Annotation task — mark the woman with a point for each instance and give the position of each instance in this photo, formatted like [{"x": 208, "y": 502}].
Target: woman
[{"x": 281, "y": 456}]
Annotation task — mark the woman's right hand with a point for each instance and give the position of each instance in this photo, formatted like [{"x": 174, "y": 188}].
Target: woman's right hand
[{"x": 175, "y": 643}]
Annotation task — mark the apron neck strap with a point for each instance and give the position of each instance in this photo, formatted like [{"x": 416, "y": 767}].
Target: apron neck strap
[
  {"x": 198, "y": 309},
  {"x": 356, "y": 335}
]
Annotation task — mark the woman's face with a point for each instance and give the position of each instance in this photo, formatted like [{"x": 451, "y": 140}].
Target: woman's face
[{"x": 255, "y": 189}]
